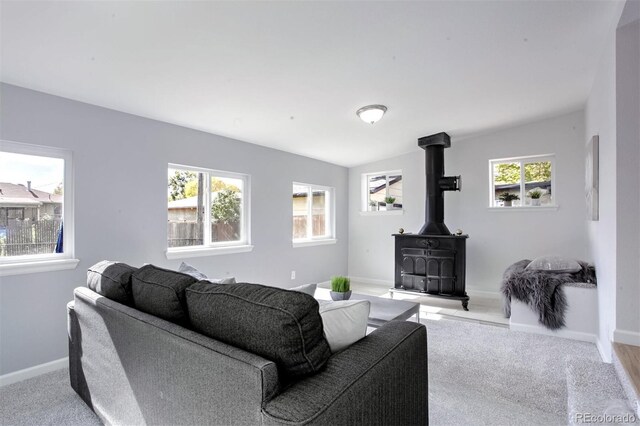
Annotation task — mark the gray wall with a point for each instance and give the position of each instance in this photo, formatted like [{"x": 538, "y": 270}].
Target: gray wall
[
  {"x": 612, "y": 113},
  {"x": 370, "y": 241},
  {"x": 120, "y": 208},
  {"x": 628, "y": 176},
  {"x": 600, "y": 119},
  {"x": 496, "y": 238}
]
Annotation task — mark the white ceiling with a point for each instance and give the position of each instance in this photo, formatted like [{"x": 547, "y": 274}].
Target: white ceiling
[{"x": 290, "y": 75}]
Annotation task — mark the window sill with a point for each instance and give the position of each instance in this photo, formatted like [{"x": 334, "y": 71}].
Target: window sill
[
  {"x": 383, "y": 213},
  {"x": 524, "y": 208},
  {"x": 206, "y": 251},
  {"x": 36, "y": 266},
  {"x": 310, "y": 243}
]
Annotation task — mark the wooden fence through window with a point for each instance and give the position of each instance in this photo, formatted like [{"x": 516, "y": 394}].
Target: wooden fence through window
[
  {"x": 186, "y": 234},
  {"x": 29, "y": 237},
  {"x": 300, "y": 226}
]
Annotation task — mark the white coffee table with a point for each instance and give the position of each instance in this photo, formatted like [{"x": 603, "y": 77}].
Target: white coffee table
[{"x": 382, "y": 310}]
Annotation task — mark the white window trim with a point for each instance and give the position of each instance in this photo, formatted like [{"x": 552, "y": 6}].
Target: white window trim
[
  {"x": 314, "y": 242},
  {"x": 224, "y": 247},
  {"x": 364, "y": 202},
  {"x": 28, "y": 264},
  {"x": 523, "y": 160},
  {"x": 330, "y": 209},
  {"x": 523, "y": 208},
  {"x": 383, "y": 213},
  {"x": 34, "y": 267},
  {"x": 201, "y": 251}
]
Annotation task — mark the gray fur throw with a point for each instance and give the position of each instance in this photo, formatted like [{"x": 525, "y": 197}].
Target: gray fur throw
[{"x": 542, "y": 290}]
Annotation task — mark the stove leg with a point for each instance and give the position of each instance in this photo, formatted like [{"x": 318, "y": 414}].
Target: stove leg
[{"x": 465, "y": 305}]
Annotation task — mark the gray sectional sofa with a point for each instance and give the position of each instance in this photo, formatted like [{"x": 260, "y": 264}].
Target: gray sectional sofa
[{"x": 132, "y": 367}]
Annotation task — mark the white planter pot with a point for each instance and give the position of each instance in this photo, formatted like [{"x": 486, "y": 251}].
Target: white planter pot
[{"x": 338, "y": 295}]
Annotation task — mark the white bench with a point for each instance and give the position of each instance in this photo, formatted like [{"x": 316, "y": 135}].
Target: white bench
[{"x": 581, "y": 316}]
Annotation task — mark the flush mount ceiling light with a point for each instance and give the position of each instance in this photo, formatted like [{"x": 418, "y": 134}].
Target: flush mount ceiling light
[{"x": 371, "y": 113}]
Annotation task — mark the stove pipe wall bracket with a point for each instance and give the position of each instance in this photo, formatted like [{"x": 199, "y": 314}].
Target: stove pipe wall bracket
[{"x": 437, "y": 183}]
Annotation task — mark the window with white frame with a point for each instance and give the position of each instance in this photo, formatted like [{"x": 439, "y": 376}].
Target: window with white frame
[
  {"x": 382, "y": 191},
  {"x": 206, "y": 209},
  {"x": 36, "y": 207},
  {"x": 313, "y": 212},
  {"x": 522, "y": 181}
]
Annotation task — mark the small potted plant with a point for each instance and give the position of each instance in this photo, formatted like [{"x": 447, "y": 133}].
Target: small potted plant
[
  {"x": 390, "y": 201},
  {"x": 508, "y": 197},
  {"x": 535, "y": 195},
  {"x": 340, "y": 288},
  {"x": 373, "y": 206}
]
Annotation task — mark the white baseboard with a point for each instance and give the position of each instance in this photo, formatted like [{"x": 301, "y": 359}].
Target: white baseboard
[
  {"x": 27, "y": 373},
  {"x": 389, "y": 284},
  {"x": 604, "y": 354},
  {"x": 566, "y": 334},
  {"x": 373, "y": 281},
  {"x": 484, "y": 293},
  {"x": 627, "y": 337}
]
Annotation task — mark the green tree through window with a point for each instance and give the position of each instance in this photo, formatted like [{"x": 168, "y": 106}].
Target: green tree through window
[
  {"x": 178, "y": 183},
  {"x": 514, "y": 180},
  {"x": 226, "y": 207},
  {"x": 537, "y": 172},
  {"x": 206, "y": 207},
  {"x": 509, "y": 173}
]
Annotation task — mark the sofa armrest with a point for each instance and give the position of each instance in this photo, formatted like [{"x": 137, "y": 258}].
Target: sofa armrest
[
  {"x": 161, "y": 372},
  {"x": 381, "y": 379}
]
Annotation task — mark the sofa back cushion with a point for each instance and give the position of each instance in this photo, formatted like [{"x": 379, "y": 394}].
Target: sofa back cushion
[
  {"x": 111, "y": 280},
  {"x": 280, "y": 325},
  {"x": 160, "y": 292}
]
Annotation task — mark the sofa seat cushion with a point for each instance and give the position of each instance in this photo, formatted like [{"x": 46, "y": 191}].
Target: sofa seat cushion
[
  {"x": 160, "y": 292},
  {"x": 344, "y": 321},
  {"x": 111, "y": 280},
  {"x": 280, "y": 325}
]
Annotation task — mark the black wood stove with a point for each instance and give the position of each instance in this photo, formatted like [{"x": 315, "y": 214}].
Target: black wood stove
[{"x": 433, "y": 260}]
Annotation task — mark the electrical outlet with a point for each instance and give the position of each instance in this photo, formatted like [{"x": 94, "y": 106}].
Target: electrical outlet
[{"x": 293, "y": 275}]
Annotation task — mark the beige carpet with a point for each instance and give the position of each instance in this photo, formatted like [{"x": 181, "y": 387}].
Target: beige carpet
[{"x": 478, "y": 375}]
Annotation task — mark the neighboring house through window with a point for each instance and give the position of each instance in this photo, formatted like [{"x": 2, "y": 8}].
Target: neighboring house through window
[
  {"x": 522, "y": 181},
  {"x": 313, "y": 214},
  {"x": 207, "y": 212},
  {"x": 382, "y": 191},
  {"x": 36, "y": 216}
]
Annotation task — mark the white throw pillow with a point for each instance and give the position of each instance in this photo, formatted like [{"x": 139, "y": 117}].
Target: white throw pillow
[
  {"x": 554, "y": 264},
  {"x": 185, "y": 268},
  {"x": 310, "y": 289},
  {"x": 344, "y": 322},
  {"x": 225, "y": 280}
]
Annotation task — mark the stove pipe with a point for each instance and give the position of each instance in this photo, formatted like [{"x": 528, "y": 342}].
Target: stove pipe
[{"x": 437, "y": 183}]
